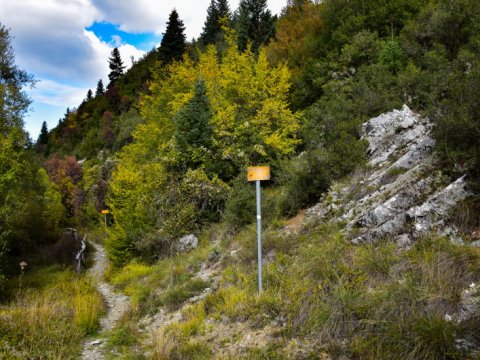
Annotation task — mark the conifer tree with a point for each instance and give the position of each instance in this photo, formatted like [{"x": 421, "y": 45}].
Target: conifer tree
[
  {"x": 392, "y": 55},
  {"x": 217, "y": 11},
  {"x": 100, "y": 89},
  {"x": 255, "y": 24},
  {"x": 173, "y": 43},
  {"x": 43, "y": 136},
  {"x": 210, "y": 26},
  {"x": 116, "y": 66},
  {"x": 223, "y": 9},
  {"x": 193, "y": 132},
  {"x": 89, "y": 95}
]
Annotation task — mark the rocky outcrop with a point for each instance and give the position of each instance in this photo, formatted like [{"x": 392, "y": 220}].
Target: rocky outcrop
[
  {"x": 187, "y": 243},
  {"x": 402, "y": 194}
]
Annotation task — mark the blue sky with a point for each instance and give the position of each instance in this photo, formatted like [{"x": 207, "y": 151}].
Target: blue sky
[
  {"x": 65, "y": 44},
  {"x": 109, "y": 32}
]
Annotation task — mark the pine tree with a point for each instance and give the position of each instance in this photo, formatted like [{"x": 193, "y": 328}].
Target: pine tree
[
  {"x": 223, "y": 9},
  {"x": 116, "y": 66},
  {"x": 193, "y": 132},
  {"x": 255, "y": 24},
  {"x": 89, "y": 95},
  {"x": 217, "y": 11},
  {"x": 100, "y": 89},
  {"x": 392, "y": 55},
  {"x": 210, "y": 26},
  {"x": 173, "y": 43},
  {"x": 43, "y": 136}
]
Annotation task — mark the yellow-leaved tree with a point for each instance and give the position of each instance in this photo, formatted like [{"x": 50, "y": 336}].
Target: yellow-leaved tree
[
  {"x": 245, "y": 101},
  {"x": 251, "y": 119}
]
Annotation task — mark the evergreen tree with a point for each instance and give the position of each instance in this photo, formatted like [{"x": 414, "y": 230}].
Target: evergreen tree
[
  {"x": 43, "y": 136},
  {"x": 255, "y": 24},
  {"x": 89, "y": 95},
  {"x": 223, "y": 9},
  {"x": 116, "y": 66},
  {"x": 193, "y": 132},
  {"x": 100, "y": 89},
  {"x": 217, "y": 11},
  {"x": 173, "y": 43},
  {"x": 392, "y": 55},
  {"x": 210, "y": 26}
]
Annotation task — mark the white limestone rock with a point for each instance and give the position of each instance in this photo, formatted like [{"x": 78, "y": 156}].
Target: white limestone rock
[{"x": 187, "y": 243}]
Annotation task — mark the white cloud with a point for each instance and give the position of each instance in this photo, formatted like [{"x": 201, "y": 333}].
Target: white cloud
[
  {"x": 50, "y": 40},
  {"x": 152, "y": 15},
  {"x": 103, "y": 50},
  {"x": 57, "y": 94}
]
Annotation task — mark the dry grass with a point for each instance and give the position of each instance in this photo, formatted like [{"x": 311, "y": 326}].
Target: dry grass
[
  {"x": 50, "y": 317},
  {"x": 370, "y": 301}
]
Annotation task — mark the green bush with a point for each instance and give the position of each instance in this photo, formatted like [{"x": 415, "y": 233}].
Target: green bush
[
  {"x": 120, "y": 248},
  {"x": 302, "y": 179},
  {"x": 240, "y": 208}
]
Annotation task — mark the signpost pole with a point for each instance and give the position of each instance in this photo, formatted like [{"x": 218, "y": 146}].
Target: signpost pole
[
  {"x": 105, "y": 212},
  {"x": 259, "y": 234},
  {"x": 257, "y": 174}
]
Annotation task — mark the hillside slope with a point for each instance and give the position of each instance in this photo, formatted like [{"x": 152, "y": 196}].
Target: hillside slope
[{"x": 378, "y": 269}]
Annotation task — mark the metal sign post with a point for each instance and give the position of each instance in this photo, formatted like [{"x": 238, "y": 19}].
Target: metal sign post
[
  {"x": 105, "y": 212},
  {"x": 258, "y": 173},
  {"x": 259, "y": 234}
]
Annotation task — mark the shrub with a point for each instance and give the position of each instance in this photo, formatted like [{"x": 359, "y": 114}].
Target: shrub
[
  {"x": 303, "y": 179},
  {"x": 240, "y": 208}
]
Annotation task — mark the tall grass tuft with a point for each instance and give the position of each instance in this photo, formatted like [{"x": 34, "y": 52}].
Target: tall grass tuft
[{"x": 51, "y": 316}]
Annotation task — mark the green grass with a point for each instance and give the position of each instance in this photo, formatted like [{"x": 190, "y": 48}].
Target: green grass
[
  {"x": 174, "y": 297},
  {"x": 169, "y": 282},
  {"x": 370, "y": 301},
  {"x": 50, "y": 316},
  {"x": 367, "y": 301},
  {"x": 175, "y": 340}
]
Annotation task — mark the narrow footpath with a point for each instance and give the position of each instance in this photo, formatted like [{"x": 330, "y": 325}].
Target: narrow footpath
[{"x": 116, "y": 305}]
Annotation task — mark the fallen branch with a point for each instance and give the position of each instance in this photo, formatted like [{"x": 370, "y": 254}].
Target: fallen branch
[{"x": 81, "y": 255}]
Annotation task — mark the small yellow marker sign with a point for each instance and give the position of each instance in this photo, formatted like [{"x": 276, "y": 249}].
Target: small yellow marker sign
[
  {"x": 104, "y": 211},
  {"x": 258, "y": 173}
]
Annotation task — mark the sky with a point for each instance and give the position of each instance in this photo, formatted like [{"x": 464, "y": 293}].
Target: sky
[{"x": 65, "y": 44}]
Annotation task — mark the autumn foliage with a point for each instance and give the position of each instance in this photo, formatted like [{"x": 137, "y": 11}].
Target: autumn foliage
[{"x": 66, "y": 173}]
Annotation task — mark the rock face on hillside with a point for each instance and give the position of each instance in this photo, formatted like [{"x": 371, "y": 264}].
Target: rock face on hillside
[{"x": 402, "y": 195}]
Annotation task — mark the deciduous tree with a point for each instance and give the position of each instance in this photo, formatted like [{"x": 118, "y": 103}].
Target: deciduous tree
[{"x": 27, "y": 197}]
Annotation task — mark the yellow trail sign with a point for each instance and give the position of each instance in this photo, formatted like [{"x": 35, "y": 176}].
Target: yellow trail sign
[
  {"x": 104, "y": 211},
  {"x": 258, "y": 173}
]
